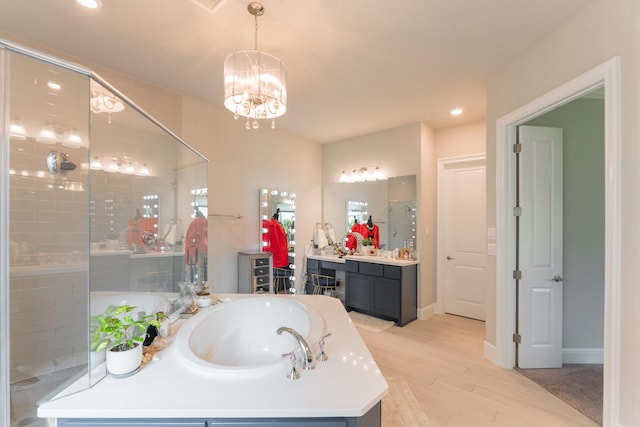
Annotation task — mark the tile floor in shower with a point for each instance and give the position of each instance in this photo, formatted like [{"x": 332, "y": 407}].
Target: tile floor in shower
[{"x": 26, "y": 393}]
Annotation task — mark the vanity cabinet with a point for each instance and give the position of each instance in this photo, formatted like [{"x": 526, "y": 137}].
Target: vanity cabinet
[
  {"x": 381, "y": 290},
  {"x": 255, "y": 272},
  {"x": 324, "y": 267},
  {"x": 372, "y": 418}
]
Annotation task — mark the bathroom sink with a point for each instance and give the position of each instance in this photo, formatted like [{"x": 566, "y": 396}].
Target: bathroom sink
[{"x": 238, "y": 337}]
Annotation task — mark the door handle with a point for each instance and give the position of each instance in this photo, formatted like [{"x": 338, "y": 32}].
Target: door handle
[
  {"x": 449, "y": 258},
  {"x": 556, "y": 279}
]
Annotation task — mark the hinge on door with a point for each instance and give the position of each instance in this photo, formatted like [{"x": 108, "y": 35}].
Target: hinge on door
[
  {"x": 517, "y": 211},
  {"x": 517, "y": 148},
  {"x": 517, "y": 339},
  {"x": 517, "y": 274}
]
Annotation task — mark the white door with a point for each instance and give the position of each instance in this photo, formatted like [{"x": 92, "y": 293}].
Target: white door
[
  {"x": 463, "y": 222},
  {"x": 540, "y": 248}
]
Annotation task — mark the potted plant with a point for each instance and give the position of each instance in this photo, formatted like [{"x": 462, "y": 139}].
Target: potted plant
[{"x": 121, "y": 336}]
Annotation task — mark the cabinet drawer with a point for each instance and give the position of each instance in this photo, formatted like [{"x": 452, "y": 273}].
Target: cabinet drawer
[
  {"x": 351, "y": 266},
  {"x": 393, "y": 272},
  {"x": 259, "y": 262},
  {"x": 261, "y": 280},
  {"x": 371, "y": 269},
  {"x": 261, "y": 271}
]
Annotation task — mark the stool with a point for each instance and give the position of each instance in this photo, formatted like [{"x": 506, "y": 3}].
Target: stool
[
  {"x": 281, "y": 279},
  {"x": 323, "y": 283}
]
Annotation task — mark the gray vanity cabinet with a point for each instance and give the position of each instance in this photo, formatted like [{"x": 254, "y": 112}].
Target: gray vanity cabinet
[{"x": 381, "y": 290}]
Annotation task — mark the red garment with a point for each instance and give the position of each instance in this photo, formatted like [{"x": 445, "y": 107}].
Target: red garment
[
  {"x": 196, "y": 243},
  {"x": 277, "y": 242},
  {"x": 352, "y": 242},
  {"x": 371, "y": 234}
]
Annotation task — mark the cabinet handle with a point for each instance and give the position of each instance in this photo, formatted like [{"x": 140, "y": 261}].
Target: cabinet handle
[{"x": 449, "y": 258}]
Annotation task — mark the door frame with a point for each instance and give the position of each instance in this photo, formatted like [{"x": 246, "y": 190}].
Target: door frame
[
  {"x": 442, "y": 165},
  {"x": 607, "y": 75}
]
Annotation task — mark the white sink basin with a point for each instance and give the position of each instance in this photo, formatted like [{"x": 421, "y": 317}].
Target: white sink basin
[{"x": 239, "y": 337}]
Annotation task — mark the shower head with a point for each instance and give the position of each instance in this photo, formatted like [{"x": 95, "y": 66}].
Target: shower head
[
  {"x": 65, "y": 163},
  {"x": 60, "y": 163}
]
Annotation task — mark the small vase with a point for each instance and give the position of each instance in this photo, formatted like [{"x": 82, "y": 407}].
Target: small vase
[{"x": 121, "y": 363}]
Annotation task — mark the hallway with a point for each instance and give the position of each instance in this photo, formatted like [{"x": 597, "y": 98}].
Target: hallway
[{"x": 442, "y": 361}]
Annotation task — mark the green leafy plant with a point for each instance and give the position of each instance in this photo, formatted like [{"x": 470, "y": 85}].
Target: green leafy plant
[{"x": 118, "y": 330}]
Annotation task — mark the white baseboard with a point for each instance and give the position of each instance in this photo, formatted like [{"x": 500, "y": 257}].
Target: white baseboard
[
  {"x": 583, "y": 355},
  {"x": 426, "y": 312},
  {"x": 490, "y": 352}
]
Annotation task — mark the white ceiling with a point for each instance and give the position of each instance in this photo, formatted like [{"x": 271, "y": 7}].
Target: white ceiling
[{"x": 354, "y": 66}]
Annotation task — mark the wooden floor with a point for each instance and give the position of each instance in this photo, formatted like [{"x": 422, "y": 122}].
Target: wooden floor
[{"x": 442, "y": 361}]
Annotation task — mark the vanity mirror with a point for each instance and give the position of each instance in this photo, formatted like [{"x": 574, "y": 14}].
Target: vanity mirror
[
  {"x": 391, "y": 204},
  {"x": 277, "y": 230},
  {"x": 356, "y": 212}
]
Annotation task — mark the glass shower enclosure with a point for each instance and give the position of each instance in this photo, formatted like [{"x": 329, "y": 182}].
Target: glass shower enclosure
[{"x": 95, "y": 199}]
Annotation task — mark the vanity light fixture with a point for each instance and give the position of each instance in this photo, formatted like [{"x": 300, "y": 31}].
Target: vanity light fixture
[
  {"x": 72, "y": 139},
  {"x": 90, "y": 4},
  {"x": 47, "y": 135},
  {"x": 96, "y": 164},
  {"x": 361, "y": 175},
  {"x": 17, "y": 130},
  {"x": 377, "y": 174},
  {"x": 113, "y": 166},
  {"x": 129, "y": 168},
  {"x": 255, "y": 83},
  {"x": 54, "y": 85}
]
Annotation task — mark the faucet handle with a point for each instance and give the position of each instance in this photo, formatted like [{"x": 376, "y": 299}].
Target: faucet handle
[
  {"x": 323, "y": 356},
  {"x": 293, "y": 371}
]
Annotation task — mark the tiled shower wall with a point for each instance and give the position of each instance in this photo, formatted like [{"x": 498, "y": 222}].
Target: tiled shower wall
[{"x": 51, "y": 228}]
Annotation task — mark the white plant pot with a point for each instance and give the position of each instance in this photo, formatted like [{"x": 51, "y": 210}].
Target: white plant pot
[{"x": 124, "y": 362}]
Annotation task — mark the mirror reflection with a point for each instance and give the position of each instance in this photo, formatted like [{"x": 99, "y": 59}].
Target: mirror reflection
[
  {"x": 277, "y": 234},
  {"x": 389, "y": 204}
]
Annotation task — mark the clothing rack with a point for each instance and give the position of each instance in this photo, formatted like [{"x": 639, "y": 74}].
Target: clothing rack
[{"x": 238, "y": 216}]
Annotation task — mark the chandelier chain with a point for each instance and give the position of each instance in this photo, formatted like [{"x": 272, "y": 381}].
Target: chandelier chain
[{"x": 255, "y": 37}]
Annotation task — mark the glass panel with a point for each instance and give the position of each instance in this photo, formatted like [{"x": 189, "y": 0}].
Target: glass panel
[
  {"x": 48, "y": 235},
  {"x": 148, "y": 208},
  {"x": 103, "y": 205}
]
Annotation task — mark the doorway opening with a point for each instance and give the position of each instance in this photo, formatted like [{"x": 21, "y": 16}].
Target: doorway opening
[{"x": 607, "y": 76}]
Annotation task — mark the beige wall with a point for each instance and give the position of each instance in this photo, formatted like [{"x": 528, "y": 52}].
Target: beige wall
[
  {"x": 427, "y": 221},
  {"x": 603, "y": 29},
  {"x": 462, "y": 140},
  {"x": 240, "y": 163},
  {"x": 396, "y": 151}
]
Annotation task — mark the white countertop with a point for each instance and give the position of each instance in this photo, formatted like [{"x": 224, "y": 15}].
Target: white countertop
[
  {"x": 364, "y": 258},
  {"x": 347, "y": 385}
]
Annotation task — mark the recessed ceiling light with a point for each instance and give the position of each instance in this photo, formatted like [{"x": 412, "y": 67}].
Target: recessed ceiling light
[
  {"x": 54, "y": 85},
  {"x": 456, "y": 111},
  {"x": 90, "y": 4}
]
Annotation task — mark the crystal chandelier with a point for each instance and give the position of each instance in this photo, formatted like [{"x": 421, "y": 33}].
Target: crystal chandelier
[
  {"x": 103, "y": 101},
  {"x": 255, "y": 83}
]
